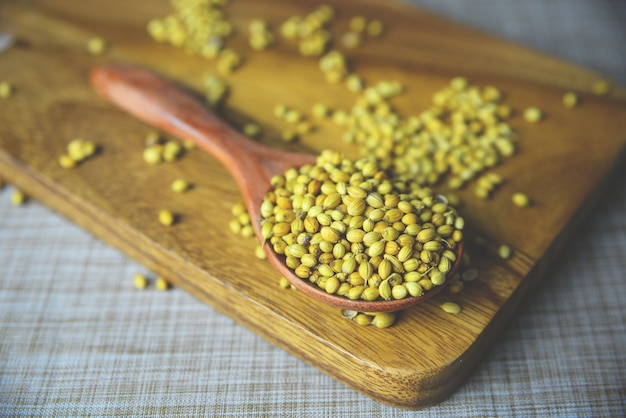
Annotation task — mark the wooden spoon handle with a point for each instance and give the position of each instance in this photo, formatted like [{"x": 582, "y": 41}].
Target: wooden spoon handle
[{"x": 158, "y": 102}]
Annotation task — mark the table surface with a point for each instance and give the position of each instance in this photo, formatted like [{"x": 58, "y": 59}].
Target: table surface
[{"x": 79, "y": 340}]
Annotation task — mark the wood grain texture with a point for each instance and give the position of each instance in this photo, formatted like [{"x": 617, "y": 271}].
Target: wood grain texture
[{"x": 563, "y": 163}]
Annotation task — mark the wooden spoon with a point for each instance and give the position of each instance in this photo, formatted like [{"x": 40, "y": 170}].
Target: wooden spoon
[{"x": 158, "y": 102}]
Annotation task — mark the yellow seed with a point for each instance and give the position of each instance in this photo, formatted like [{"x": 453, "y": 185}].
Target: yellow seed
[
  {"x": 532, "y": 114},
  {"x": 319, "y": 110},
  {"x": 243, "y": 218},
  {"x": 75, "y": 150},
  {"x": 162, "y": 284},
  {"x": 470, "y": 274},
  {"x": 445, "y": 265},
  {"x": 384, "y": 319},
  {"x": 66, "y": 161},
  {"x": 459, "y": 83},
  {"x": 351, "y": 40},
  {"x": 247, "y": 231},
  {"x": 171, "y": 150},
  {"x": 302, "y": 271},
  {"x": 288, "y": 136},
  {"x": 451, "y": 307},
  {"x": 570, "y": 99},
  {"x": 601, "y": 87},
  {"x": 18, "y": 198},
  {"x": 363, "y": 319},
  {"x": 6, "y": 90},
  {"x": 166, "y": 217},
  {"x": 284, "y": 283},
  {"x": 426, "y": 235},
  {"x": 332, "y": 285},
  {"x": 374, "y": 28},
  {"x": 152, "y": 155},
  {"x": 366, "y": 270},
  {"x": 426, "y": 284},
  {"x": 140, "y": 281},
  {"x": 414, "y": 289},
  {"x": 385, "y": 269},
  {"x": 180, "y": 185},
  {"x": 259, "y": 252},
  {"x": 89, "y": 148},
  {"x": 235, "y": 226},
  {"x": 96, "y": 46},
  {"x": 437, "y": 277},
  {"x": 355, "y": 293},
  {"x": 521, "y": 200},
  {"x": 370, "y": 293},
  {"x": 303, "y": 128},
  {"x": 252, "y": 130},
  {"x": 432, "y": 246},
  {"x": 356, "y": 207},
  {"x": 456, "y": 286},
  {"x": 280, "y": 110},
  {"x": 357, "y": 24},
  {"x": 399, "y": 291},
  {"x": 504, "y": 251}
]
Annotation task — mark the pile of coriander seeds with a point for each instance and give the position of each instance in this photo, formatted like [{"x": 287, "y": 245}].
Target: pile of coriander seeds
[{"x": 353, "y": 231}]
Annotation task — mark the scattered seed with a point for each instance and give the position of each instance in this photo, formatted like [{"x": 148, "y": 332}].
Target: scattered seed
[
  {"x": 162, "y": 284},
  {"x": 601, "y": 87},
  {"x": 533, "y": 114},
  {"x": 451, "y": 308},
  {"x": 180, "y": 185},
  {"x": 166, "y": 217},
  {"x": 140, "y": 281},
  {"x": 470, "y": 275},
  {"x": 6, "y": 90},
  {"x": 521, "y": 200},
  {"x": 570, "y": 99},
  {"x": 96, "y": 46},
  {"x": 18, "y": 197},
  {"x": 504, "y": 251},
  {"x": 252, "y": 130},
  {"x": 384, "y": 319}
]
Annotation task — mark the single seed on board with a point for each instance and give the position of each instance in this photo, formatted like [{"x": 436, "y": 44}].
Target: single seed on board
[
  {"x": 96, "y": 46},
  {"x": 570, "y": 99},
  {"x": 504, "y": 251},
  {"x": 451, "y": 308},
  {"x": 521, "y": 200},
  {"x": 6, "y": 90},
  {"x": 66, "y": 161},
  {"x": 470, "y": 275},
  {"x": 284, "y": 283},
  {"x": 166, "y": 217},
  {"x": 180, "y": 185},
  {"x": 532, "y": 114},
  {"x": 601, "y": 87}
]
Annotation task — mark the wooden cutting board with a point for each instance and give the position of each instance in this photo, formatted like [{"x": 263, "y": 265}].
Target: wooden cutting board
[{"x": 563, "y": 163}]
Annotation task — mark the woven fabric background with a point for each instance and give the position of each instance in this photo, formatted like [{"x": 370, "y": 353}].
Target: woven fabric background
[{"x": 77, "y": 339}]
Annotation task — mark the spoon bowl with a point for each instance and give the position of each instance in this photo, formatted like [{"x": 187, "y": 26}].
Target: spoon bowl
[{"x": 162, "y": 104}]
